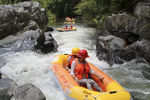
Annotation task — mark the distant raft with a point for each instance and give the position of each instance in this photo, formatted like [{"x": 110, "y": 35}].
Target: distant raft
[
  {"x": 63, "y": 29},
  {"x": 69, "y": 22},
  {"x": 111, "y": 89}
]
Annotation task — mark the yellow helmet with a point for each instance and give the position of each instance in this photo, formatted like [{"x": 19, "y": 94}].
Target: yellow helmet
[{"x": 75, "y": 51}]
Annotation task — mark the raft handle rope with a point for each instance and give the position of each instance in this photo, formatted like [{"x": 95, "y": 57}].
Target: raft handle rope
[{"x": 95, "y": 97}]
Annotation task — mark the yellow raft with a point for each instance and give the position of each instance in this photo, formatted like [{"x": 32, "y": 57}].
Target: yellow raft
[
  {"x": 69, "y": 22},
  {"x": 111, "y": 89},
  {"x": 63, "y": 29}
]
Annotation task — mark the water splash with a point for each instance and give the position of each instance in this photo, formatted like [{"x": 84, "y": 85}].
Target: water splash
[{"x": 31, "y": 67}]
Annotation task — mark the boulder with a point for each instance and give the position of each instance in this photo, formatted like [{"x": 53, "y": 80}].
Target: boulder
[
  {"x": 7, "y": 88},
  {"x": 128, "y": 37},
  {"x": 142, "y": 49},
  {"x": 15, "y": 17},
  {"x": 142, "y": 11},
  {"x": 28, "y": 92},
  {"x": 134, "y": 29},
  {"x": 20, "y": 42},
  {"x": 112, "y": 49},
  {"x": 46, "y": 43},
  {"x": 29, "y": 40},
  {"x": 120, "y": 56},
  {"x": 123, "y": 23}
]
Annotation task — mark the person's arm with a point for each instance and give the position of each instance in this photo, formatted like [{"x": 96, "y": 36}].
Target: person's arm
[
  {"x": 93, "y": 73},
  {"x": 73, "y": 65},
  {"x": 66, "y": 67}
]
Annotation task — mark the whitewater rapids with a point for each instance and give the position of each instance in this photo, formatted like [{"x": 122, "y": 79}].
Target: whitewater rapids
[{"x": 31, "y": 67}]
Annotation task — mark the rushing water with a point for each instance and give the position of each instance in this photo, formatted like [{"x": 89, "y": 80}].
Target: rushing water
[{"x": 31, "y": 67}]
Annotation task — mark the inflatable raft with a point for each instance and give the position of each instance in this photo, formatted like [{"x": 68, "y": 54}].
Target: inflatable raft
[
  {"x": 69, "y": 22},
  {"x": 111, "y": 89},
  {"x": 63, "y": 29}
]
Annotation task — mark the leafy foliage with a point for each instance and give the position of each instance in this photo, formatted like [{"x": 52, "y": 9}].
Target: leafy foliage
[
  {"x": 123, "y": 5},
  {"x": 94, "y": 10},
  {"x": 63, "y": 8}
]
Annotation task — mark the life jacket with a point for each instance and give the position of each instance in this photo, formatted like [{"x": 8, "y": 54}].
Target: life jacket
[
  {"x": 71, "y": 27},
  {"x": 70, "y": 61},
  {"x": 81, "y": 69}
]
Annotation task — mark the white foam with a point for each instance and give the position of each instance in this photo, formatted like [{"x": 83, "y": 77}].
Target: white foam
[{"x": 30, "y": 67}]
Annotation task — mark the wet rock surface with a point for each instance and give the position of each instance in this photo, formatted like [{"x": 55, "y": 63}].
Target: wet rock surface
[
  {"x": 7, "y": 87},
  {"x": 23, "y": 27},
  {"x": 133, "y": 31},
  {"x": 28, "y": 92},
  {"x": 14, "y": 18},
  {"x": 9, "y": 90}
]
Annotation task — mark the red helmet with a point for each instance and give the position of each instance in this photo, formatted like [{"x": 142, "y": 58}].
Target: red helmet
[{"x": 83, "y": 53}]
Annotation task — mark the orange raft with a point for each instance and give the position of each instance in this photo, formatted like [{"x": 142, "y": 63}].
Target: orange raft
[{"x": 111, "y": 89}]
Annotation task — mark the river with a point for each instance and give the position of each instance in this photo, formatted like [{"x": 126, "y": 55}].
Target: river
[{"x": 31, "y": 67}]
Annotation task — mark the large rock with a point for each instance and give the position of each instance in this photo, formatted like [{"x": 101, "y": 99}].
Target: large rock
[
  {"x": 142, "y": 49},
  {"x": 28, "y": 40},
  {"x": 121, "y": 23},
  {"x": 7, "y": 88},
  {"x": 133, "y": 29},
  {"x": 128, "y": 37},
  {"x": 20, "y": 42},
  {"x": 112, "y": 49},
  {"x": 128, "y": 24},
  {"x": 28, "y": 92},
  {"x": 13, "y": 18},
  {"x": 142, "y": 11},
  {"x": 120, "y": 56},
  {"x": 46, "y": 43}
]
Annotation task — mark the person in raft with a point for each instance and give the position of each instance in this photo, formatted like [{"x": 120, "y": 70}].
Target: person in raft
[
  {"x": 71, "y": 57},
  {"x": 81, "y": 71}
]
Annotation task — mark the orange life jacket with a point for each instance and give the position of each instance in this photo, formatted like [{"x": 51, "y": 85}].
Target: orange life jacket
[
  {"x": 81, "y": 69},
  {"x": 72, "y": 58}
]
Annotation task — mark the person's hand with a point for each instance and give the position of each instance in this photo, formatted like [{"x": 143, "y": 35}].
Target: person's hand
[
  {"x": 66, "y": 67},
  {"x": 77, "y": 80},
  {"x": 102, "y": 78}
]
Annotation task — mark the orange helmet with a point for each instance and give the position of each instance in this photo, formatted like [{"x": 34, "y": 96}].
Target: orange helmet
[
  {"x": 83, "y": 53},
  {"x": 75, "y": 51}
]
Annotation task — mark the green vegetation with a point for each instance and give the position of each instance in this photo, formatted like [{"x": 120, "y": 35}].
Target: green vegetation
[
  {"x": 93, "y": 11},
  {"x": 90, "y": 11}
]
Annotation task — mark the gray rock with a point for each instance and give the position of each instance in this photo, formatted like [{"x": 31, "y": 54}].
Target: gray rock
[
  {"x": 133, "y": 29},
  {"x": 142, "y": 10},
  {"x": 128, "y": 37},
  {"x": 121, "y": 23},
  {"x": 28, "y": 92},
  {"x": 46, "y": 43},
  {"x": 142, "y": 49},
  {"x": 31, "y": 26},
  {"x": 20, "y": 42},
  {"x": 111, "y": 42},
  {"x": 15, "y": 17},
  {"x": 120, "y": 56},
  {"x": 112, "y": 49},
  {"x": 29, "y": 40},
  {"x": 7, "y": 87}
]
